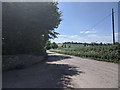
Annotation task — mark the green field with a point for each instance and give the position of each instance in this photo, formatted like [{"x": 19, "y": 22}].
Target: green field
[{"x": 107, "y": 53}]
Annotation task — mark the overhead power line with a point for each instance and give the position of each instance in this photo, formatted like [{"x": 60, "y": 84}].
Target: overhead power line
[{"x": 100, "y": 21}]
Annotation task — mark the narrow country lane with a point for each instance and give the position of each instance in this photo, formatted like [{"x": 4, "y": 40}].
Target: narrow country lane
[{"x": 64, "y": 71}]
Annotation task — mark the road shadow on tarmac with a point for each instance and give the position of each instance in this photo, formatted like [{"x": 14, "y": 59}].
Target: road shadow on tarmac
[{"x": 42, "y": 75}]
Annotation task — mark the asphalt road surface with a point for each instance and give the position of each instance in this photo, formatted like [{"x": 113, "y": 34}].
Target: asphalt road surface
[{"x": 64, "y": 71}]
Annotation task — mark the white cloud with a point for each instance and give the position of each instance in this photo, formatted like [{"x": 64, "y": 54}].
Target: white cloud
[
  {"x": 86, "y": 38},
  {"x": 88, "y": 31},
  {"x": 100, "y": 38},
  {"x": 68, "y": 38},
  {"x": 81, "y": 31},
  {"x": 61, "y": 35}
]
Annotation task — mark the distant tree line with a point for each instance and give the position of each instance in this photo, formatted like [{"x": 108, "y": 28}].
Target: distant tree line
[
  {"x": 85, "y": 44},
  {"x": 27, "y": 26}
]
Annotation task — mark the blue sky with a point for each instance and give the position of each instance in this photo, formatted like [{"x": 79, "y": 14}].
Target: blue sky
[{"x": 79, "y": 17}]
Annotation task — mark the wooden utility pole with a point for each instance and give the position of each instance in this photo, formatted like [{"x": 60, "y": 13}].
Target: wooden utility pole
[{"x": 113, "y": 26}]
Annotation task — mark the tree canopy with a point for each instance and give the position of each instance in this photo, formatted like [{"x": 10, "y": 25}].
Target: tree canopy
[
  {"x": 50, "y": 45},
  {"x": 27, "y": 26}
]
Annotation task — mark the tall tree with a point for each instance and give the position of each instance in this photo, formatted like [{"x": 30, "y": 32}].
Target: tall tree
[{"x": 27, "y": 26}]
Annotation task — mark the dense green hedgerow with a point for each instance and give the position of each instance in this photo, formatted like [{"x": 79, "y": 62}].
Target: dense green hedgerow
[{"x": 107, "y": 53}]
